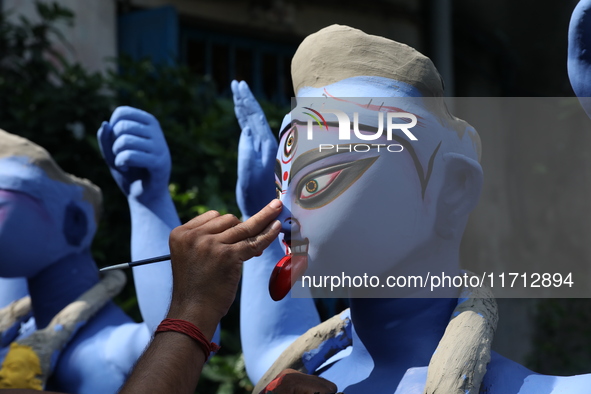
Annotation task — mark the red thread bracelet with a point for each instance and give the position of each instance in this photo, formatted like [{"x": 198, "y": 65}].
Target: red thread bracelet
[{"x": 188, "y": 328}]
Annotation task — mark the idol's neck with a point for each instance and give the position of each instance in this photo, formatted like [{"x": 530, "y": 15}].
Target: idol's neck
[
  {"x": 401, "y": 331},
  {"x": 60, "y": 284},
  {"x": 404, "y": 332}
]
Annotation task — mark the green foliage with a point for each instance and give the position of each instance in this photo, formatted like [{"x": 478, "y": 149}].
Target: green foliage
[
  {"x": 562, "y": 342},
  {"x": 228, "y": 372},
  {"x": 59, "y": 105}
]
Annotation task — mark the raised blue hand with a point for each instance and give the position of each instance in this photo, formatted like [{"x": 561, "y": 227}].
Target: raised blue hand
[
  {"x": 136, "y": 152},
  {"x": 579, "y": 53},
  {"x": 273, "y": 329},
  {"x": 256, "y": 153}
]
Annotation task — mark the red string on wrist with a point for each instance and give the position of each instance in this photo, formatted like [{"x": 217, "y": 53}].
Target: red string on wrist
[{"x": 188, "y": 328}]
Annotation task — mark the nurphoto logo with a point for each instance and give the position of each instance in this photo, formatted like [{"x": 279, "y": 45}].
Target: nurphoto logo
[{"x": 345, "y": 126}]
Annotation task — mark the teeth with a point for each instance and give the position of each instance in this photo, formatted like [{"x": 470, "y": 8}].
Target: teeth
[{"x": 300, "y": 248}]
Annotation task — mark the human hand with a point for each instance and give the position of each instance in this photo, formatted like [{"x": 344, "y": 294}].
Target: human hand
[
  {"x": 136, "y": 152},
  {"x": 293, "y": 382},
  {"x": 256, "y": 152},
  {"x": 579, "y": 53},
  {"x": 207, "y": 255}
]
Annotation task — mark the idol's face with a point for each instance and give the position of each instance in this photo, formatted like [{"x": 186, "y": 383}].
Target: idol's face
[
  {"x": 30, "y": 239},
  {"x": 38, "y": 218},
  {"x": 351, "y": 211}
]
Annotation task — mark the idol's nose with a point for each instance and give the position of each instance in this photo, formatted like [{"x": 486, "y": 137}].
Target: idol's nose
[
  {"x": 285, "y": 219},
  {"x": 289, "y": 224}
]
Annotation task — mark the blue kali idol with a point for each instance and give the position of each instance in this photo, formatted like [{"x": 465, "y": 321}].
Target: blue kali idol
[{"x": 376, "y": 212}]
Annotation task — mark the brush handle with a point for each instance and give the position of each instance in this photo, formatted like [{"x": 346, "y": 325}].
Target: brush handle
[{"x": 136, "y": 263}]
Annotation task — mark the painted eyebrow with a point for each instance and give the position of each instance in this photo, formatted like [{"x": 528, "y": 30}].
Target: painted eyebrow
[
  {"x": 277, "y": 169},
  {"x": 310, "y": 157},
  {"x": 287, "y": 127}
]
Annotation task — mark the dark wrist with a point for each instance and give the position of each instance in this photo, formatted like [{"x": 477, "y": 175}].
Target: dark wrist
[{"x": 203, "y": 317}]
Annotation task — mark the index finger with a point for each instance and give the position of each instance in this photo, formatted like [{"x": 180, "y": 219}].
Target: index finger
[
  {"x": 235, "y": 91},
  {"x": 249, "y": 102},
  {"x": 255, "y": 225}
]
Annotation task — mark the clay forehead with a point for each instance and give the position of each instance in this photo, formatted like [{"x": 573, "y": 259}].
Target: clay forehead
[
  {"x": 362, "y": 86},
  {"x": 431, "y": 109},
  {"x": 366, "y": 121},
  {"x": 365, "y": 96}
]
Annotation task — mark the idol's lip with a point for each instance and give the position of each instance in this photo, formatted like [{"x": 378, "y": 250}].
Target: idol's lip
[{"x": 297, "y": 246}]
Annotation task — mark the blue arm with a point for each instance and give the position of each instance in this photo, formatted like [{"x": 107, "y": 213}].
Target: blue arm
[
  {"x": 136, "y": 152},
  {"x": 135, "y": 149},
  {"x": 267, "y": 327},
  {"x": 579, "y": 53}
]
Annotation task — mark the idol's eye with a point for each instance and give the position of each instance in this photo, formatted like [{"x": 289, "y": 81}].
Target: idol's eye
[
  {"x": 322, "y": 186},
  {"x": 314, "y": 187},
  {"x": 290, "y": 142}
]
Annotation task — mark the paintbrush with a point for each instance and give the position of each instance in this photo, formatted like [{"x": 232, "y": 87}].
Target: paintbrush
[{"x": 136, "y": 263}]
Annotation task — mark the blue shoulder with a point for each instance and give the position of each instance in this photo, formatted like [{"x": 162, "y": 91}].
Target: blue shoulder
[
  {"x": 508, "y": 377},
  {"x": 102, "y": 353}
]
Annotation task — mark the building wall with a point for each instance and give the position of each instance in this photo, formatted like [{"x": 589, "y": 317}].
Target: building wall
[{"x": 93, "y": 37}]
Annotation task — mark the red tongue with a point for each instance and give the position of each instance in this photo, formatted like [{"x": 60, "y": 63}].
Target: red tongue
[{"x": 286, "y": 272}]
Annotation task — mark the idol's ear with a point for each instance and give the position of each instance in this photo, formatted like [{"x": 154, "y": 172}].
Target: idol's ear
[
  {"x": 75, "y": 225},
  {"x": 459, "y": 194}
]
